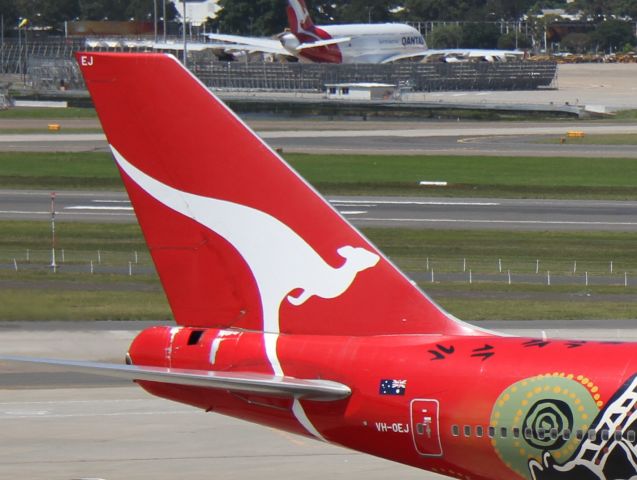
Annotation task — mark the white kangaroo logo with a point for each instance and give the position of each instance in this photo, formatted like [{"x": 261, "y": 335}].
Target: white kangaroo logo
[{"x": 280, "y": 260}]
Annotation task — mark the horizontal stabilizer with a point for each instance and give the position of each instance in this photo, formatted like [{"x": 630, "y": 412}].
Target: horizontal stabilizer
[
  {"x": 252, "y": 44},
  {"x": 257, "y": 383},
  {"x": 323, "y": 43}
]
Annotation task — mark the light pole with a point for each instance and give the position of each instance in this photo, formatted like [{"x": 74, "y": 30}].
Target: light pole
[
  {"x": 2, "y": 40},
  {"x": 20, "y": 48},
  {"x": 155, "y": 18},
  {"x": 183, "y": 23},
  {"x": 26, "y": 52},
  {"x": 53, "y": 262},
  {"x": 22, "y": 57},
  {"x": 164, "y": 12}
]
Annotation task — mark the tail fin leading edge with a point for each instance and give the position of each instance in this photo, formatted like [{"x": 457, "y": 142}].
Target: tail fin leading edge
[{"x": 238, "y": 238}]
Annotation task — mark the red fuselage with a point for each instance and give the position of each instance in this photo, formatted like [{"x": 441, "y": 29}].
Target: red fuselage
[{"x": 454, "y": 389}]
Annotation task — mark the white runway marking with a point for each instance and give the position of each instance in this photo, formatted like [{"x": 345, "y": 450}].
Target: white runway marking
[
  {"x": 447, "y": 132},
  {"x": 48, "y": 213},
  {"x": 92, "y": 207},
  {"x": 345, "y": 204},
  {"x": 353, "y": 212},
  {"x": 25, "y": 212},
  {"x": 413, "y": 202},
  {"x": 512, "y": 222}
]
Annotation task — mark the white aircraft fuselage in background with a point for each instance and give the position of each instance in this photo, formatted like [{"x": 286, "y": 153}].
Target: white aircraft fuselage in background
[
  {"x": 347, "y": 43},
  {"x": 362, "y": 43}
]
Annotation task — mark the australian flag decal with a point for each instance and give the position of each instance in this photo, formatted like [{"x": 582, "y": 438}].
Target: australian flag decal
[{"x": 393, "y": 387}]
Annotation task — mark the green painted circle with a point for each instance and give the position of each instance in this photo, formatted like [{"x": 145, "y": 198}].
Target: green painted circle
[{"x": 543, "y": 402}]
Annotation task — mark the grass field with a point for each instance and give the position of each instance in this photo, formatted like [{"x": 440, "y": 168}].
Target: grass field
[
  {"x": 409, "y": 248},
  {"x": 611, "y": 178},
  {"x": 625, "y": 115},
  {"x": 27, "y": 112},
  {"x": 71, "y": 236},
  {"x": 40, "y": 294},
  {"x": 57, "y": 304},
  {"x": 45, "y": 130},
  {"x": 96, "y": 299},
  {"x": 446, "y": 250}
]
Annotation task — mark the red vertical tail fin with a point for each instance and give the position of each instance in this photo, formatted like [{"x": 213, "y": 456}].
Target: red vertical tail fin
[
  {"x": 299, "y": 19},
  {"x": 238, "y": 238}
]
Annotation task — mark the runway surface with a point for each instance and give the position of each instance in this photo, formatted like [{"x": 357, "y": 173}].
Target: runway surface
[
  {"x": 123, "y": 433},
  {"x": 412, "y": 212},
  {"x": 428, "y": 138},
  {"x": 111, "y": 430}
]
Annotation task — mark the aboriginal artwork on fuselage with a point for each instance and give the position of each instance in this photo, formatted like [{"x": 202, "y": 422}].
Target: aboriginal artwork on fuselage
[{"x": 556, "y": 427}]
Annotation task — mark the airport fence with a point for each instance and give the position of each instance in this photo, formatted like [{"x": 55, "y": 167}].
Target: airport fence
[
  {"x": 77, "y": 261},
  {"x": 49, "y": 65},
  {"x": 15, "y": 56},
  {"x": 515, "y": 75},
  {"x": 521, "y": 270},
  {"x": 59, "y": 74},
  {"x": 512, "y": 270}
]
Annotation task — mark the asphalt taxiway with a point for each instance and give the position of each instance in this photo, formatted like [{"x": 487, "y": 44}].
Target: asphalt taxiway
[
  {"x": 411, "y": 212},
  {"x": 111, "y": 430},
  {"x": 123, "y": 433},
  {"x": 398, "y": 138}
]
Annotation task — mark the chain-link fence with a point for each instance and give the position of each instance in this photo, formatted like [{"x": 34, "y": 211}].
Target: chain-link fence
[
  {"x": 514, "y": 75},
  {"x": 50, "y": 66}
]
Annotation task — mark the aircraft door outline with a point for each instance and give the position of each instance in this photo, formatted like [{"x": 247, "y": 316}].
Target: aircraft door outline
[{"x": 425, "y": 426}]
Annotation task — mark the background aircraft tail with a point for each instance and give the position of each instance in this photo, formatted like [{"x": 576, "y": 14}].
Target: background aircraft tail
[
  {"x": 299, "y": 18},
  {"x": 237, "y": 237}
]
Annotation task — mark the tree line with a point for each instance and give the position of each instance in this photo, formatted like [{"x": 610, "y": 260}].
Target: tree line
[
  {"x": 607, "y": 25},
  {"x": 53, "y": 13}
]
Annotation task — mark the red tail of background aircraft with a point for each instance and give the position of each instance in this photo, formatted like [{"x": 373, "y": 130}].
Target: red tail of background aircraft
[{"x": 287, "y": 316}]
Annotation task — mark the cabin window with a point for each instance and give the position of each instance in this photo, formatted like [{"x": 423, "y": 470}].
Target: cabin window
[
  {"x": 491, "y": 432},
  {"x": 631, "y": 435},
  {"x": 479, "y": 431},
  {"x": 528, "y": 433},
  {"x": 566, "y": 434},
  {"x": 541, "y": 434},
  {"x": 467, "y": 430},
  {"x": 617, "y": 435},
  {"x": 553, "y": 433},
  {"x": 516, "y": 432},
  {"x": 455, "y": 430},
  {"x": 579, "y": 434},
  {"x": 194, "y": 337},
  {"x": 503, "y": 432},
  {"x": 605, "y": 435},
  {"x": 592, "y": 435}
]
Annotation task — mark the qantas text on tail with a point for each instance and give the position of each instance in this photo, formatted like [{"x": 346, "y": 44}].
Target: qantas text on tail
[{"x": 287, "y": 316}]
